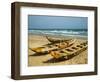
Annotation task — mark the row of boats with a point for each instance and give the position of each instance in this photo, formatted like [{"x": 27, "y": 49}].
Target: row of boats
[{"x": 61, "y": 48}]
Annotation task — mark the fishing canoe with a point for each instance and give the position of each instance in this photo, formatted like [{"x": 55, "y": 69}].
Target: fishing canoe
[
  {"x": 55, "y": 40},
  {"x": 56, "y": 46},
  {"x": 66, "y": 52}
]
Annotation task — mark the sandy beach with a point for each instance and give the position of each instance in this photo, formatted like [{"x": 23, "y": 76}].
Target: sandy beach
[{"x": 46, "y": 59}]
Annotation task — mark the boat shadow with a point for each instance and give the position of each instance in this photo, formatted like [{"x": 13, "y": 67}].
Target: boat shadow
[
  {"x": 38, "y": 54},
  {"x": 53, "y": 60},
  {"x": 62, "y": 59}
]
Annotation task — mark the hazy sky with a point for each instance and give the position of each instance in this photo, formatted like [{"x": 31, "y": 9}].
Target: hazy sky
[{"x": 57, "y": 22}]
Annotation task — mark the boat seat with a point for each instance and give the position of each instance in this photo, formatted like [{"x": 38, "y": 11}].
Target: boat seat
[
  {"x": 69, "y": 50},
  {"x": 79, "y": 46},
  {"x": 74, "y": 48}
]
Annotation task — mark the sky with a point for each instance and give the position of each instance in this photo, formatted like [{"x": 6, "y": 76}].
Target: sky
[{"x": 56, "y": 22}]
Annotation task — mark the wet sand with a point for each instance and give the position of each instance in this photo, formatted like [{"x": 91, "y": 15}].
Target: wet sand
[{"x": 46, "y": 59}]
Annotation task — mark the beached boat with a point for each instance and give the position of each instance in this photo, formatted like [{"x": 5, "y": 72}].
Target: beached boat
[
  {"x": 71, "y": 51},
  {"x": 55, "y": 46},
  {"x": 55, "y": 40}
]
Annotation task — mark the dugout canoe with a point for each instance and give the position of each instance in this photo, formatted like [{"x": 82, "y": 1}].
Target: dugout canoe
[
  {"x": 56, "y": 46},
  {"x": 71, "y": 51}
]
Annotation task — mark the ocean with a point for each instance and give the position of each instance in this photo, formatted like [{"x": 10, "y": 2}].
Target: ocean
[{"x": 60, "y": 32}]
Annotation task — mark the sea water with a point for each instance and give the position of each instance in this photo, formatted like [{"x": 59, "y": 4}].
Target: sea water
[{"x": 60, "y": 32}]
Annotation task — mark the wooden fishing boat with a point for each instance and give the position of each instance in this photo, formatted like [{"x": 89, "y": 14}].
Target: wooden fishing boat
[
  {"x": 66, "y": 52},
  {"x": 56, "y": 46},
  {"x": 55, "y": 40}
]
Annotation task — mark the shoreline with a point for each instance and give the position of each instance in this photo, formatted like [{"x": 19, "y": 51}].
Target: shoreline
[{"x": 61, "y": 36}]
